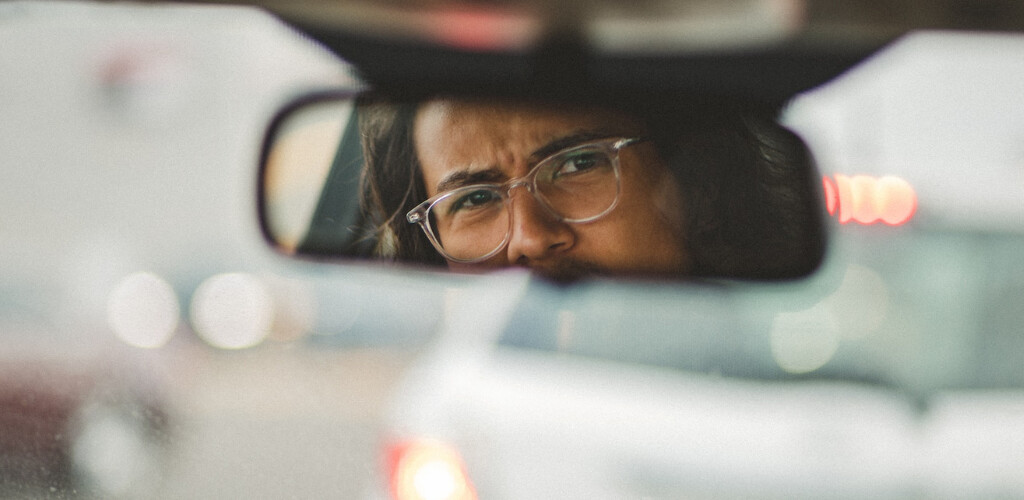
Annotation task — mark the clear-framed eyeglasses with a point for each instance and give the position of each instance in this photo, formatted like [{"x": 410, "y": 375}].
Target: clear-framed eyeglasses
[{"x": 473, "y": 223}]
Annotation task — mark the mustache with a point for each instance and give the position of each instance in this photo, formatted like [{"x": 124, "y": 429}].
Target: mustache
[
  {"x": 563, "y": 270},
  {"x": 569, "y": 270}
]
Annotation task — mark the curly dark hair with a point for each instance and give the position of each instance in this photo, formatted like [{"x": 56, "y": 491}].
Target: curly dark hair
[
  {"x": 392, "y": 181},
  {"x": 752, "y": 193}
]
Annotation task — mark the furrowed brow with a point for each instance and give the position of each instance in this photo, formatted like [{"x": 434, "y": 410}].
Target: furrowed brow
[
  {"x": 568, "y": 141},
  {"x": 460, "y": 178}
]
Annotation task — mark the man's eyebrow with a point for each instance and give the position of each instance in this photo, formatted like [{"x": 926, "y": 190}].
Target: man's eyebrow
[
  {"x": 493, "y": 175},
  {"x": 460, "y": 178},
  {"x": 568, "y": 141}
]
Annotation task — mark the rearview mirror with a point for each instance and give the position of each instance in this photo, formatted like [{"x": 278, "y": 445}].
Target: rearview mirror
[{"x": 641, "y": 187}]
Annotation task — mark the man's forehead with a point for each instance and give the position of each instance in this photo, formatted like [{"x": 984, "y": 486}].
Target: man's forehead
[
  {"x": 504, "y": 116},
  {"x": 473, "y": 132}
]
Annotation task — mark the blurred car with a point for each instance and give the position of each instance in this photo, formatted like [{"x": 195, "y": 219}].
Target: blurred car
[
  {"x": 70, "y": 419},
  {"x": 73, "y": 429},
  {"x": 890, "y": 373}
]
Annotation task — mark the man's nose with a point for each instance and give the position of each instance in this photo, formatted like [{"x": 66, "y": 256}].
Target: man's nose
[{"x": 536, "y": 233}]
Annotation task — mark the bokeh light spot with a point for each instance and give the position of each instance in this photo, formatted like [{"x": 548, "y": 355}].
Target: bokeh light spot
[
  {"x": 232, "y": 311},
  {"x": 831, "y": 195},
  {"x": 803, "y": 341},
  {"x": 430, "y": 470},
  {"x": 143, "y": 310},
  {"x": 895, "y": 199},
  {"x": 866, "y": 200}
]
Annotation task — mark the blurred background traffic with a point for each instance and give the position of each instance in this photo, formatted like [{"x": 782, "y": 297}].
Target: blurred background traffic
[{"x": 132, "y": 273}]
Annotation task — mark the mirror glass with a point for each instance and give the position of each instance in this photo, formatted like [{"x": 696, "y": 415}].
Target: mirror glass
[{"x": 569, "y": 189}]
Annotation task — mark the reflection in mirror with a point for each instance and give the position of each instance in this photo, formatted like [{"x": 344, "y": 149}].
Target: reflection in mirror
[{"x": 690, "y": 188}]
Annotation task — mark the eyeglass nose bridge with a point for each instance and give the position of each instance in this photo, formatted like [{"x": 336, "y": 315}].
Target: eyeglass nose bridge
[
  {"x": 528, "y": 183},
  {"x": 517, "y": 183}
]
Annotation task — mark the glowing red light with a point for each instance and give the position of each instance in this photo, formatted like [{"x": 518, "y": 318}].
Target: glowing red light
[
  {"x": 831, "y": 195},
  {"x": 896, "y": 200},
  {"x": 482, "y": 30},
  {"x": 428, "y": 470},
  {"x": 867, "y": 200}
]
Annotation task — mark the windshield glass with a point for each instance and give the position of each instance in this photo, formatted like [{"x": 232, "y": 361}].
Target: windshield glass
[{"x": 152, "y": 346}]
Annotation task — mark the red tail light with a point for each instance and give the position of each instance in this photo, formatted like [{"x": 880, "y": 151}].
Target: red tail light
[
  {"x": 428, "y": 470},
  {"x": 867, "y": 200}
]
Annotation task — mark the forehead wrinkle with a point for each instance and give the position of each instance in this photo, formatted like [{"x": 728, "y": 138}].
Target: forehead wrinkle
[{"x": 481, "y": 138}]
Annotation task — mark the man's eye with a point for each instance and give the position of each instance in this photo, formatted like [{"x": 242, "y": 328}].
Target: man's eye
[
  {"x": 581, "y": 162},
  {"x": 474, "y": 199}
]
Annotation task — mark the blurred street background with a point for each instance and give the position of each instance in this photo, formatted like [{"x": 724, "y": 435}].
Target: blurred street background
[
  {"x": 153, "y": 346},
  {"x": 129, "y": 136}
]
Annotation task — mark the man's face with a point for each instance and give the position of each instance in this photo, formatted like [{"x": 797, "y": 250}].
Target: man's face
[{"x": 641, "y": 235}]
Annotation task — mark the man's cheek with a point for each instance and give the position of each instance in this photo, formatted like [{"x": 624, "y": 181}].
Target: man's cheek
[{"x": 600, "y": 242}]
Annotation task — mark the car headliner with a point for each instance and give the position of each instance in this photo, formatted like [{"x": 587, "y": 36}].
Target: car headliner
[{"x": 751, "y": 50}]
